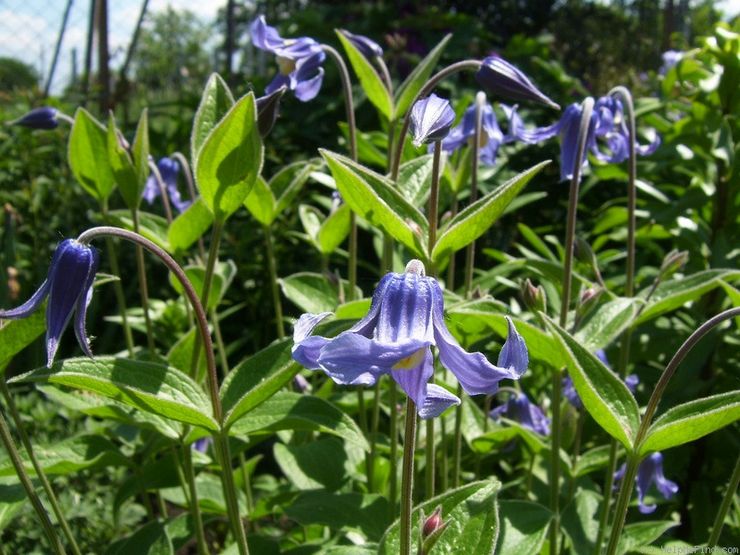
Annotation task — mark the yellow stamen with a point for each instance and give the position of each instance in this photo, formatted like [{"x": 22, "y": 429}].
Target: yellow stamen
[{"x": 412, "y": 361}]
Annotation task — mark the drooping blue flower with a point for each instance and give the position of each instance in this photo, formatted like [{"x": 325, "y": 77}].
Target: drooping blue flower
[
  {"x": 367, "y": 47},
  {"x": 431, "y": 119},
  {"x": 168, "y": 169},
  {"x": 463, "y": 133},
  {"x": 503, "y": 79},
  {"x": 670, "y": 59},
  {"x": 522, "y": 410},
  {"x": 39, "y": 118},
  {"x": 201, "y": 445},
  {"x": 569, "y": 390},
  {"x": 299, "y": 60},
  {"x": 649, "y": 472},
  {"x": 607, "y": 124},
  {"x": 406, "y": 318},
  {"x": 69, "y": 288}
]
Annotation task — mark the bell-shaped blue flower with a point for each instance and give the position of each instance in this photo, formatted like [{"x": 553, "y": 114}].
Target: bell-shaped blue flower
[
  {"x": 367, "y": 47},
  {"x": 406, "y": 318},
  {"x": 491, "y": 136},
  {"x": 522, "y": 410},
  {"x": 39, "y": 118},
  {"x": 299, "y": 60},
  {"x": 431, "y": 119},
  {"x": 168, "y": 170},
  {"x": 649, "y": 472},
  {"x": 68, "y": 286},
  {"x": 500, "y": 77}
]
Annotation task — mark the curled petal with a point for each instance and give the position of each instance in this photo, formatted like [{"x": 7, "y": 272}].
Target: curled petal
[
  {"x": 368, "y": 47},
  {"x": 30, "y": 306},
  {"x": 278, "y": 82},
  {"x": 437, "y": 400},
  {"x": 307, "y": 348},
  {"x": 514, "y": 355},
  {"x": 308, "y": 89}
]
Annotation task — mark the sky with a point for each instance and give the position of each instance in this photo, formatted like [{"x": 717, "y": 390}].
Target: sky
[{"x": 29, "y": 29}]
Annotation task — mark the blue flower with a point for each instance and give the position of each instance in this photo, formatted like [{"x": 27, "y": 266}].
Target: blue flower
[
  {"x": 463, "y": 133},
  {"x": 521, "y": 409},
  {"x": 39, "y": 118},
  {"x": 569, "y": 390},
  {"x": 201, "y": 445},
  {"x": 299, "y": 60},
  {"x": 649, "y": 472},
  {"x": 501, "y": 78},
  {"x": 367, "y": 47},
  {"x": 406, "y": 318},
  {"x": 431, "y": 119},
  {"x": 168, "y": 169},
  {"x": 69, "y": 287},
  {"x": 670, "y": 59},
  {"x": 607, "y": 124}
]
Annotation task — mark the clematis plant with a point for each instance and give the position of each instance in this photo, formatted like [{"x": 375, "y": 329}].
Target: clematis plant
[
  {"x": 649, "y": 472},
  {"x": 519, "y": 408},
  {"x": 68, "y": 286},
  {"x": 431, "y": 119},
  {"x": 491, "y": 137},
  {"x": 168, "y": 169},
  {"x": 299, "y": 60},
  {"x": 406, "y": 318}
]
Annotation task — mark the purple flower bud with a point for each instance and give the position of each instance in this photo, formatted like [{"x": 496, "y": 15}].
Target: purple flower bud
[
  {"x": 367, "y": 47},
  {"x": 39, "y": 118},
  {"x": 268, "y": 108},
  {"x": 649, "y": 472},
  {"x": 501, "y": 78},
  {"x": 431, "y": 119},
  {"x": 432, "y": 523}
]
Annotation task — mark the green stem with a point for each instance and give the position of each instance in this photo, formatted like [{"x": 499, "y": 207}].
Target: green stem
[
  {"x": 620, "y": 509},
  {"x": 443, "y": 469},
  {"x": 393, "y": 431},
  {"x": 407, "y": 477},
  {"x": 247, "y": 481},
  {"x": 272, "y": 270},
  {"x": 220, "y": 346},
  {"x": 719, "y": 520},
  {"x": 221, "y": 442},
  {"x": 143, "y": 290},
  {"x": 480, "y": 101},
  {"x": 557, "y": 375},
  {"x": 457, "y": 454},
  {"x": 40, "y": 474},
  {"x": 15, "y": 458},
  {"x": 194, "y": 504}
]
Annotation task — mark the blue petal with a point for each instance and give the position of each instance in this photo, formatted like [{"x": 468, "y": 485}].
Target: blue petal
[
  {"x": 406, "y": 308},
  {"x": 431, "y": 119},
  {"x": 308, "y": 89},
  {"x": 369, "y": 48},
  {"x": 437, "y": 400},
  {"x": 83, "y": 302},
  {"x": 30, "y": 306},
  {"x": 354, "y": 359},
  {"x": 278, "y": 81},
  {"x": 414, "y": 380},
  {"x": 502, "y": 78},
  {"x": 306, "y": 348},
  {"x": 514, "y": 355}
]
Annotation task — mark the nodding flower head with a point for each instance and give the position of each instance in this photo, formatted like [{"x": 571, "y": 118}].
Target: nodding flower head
[
  {"x": 168, "y": 170},
  {"x": 520, "y": 409},
  {"x": 299, "y": 60},
  {"x": 406, "y": 318},
  {"x": 39, "y": 118},
  {"x": 503, "y": 79},
  {"x": 367, "y": 47},
  {"x": 68, "y": 286},
  {"x": 464, "y": 133},
  {"x": 649, "y": 472},
  {"x": 431, "y": 119}
]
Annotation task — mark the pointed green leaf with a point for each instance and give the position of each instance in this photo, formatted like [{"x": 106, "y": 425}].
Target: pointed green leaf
[
  {"x": 123, "y": 167},
  {"x": 256, "y": 379},
  {"x": 215, "y": 102},
  {"x": 641, "y": 534},
  {"x": 374, "y": 197},
  {"x": 287, "y": 183},
  {"x": 314, "y": 292},
  {"x": 88, "y": 155},
  {"x": 415, "y": 81},
  {"x": 150, "y": 539},
  {"x": 149, "y": 386},
  {"x": 140, "y": 150},
  {"x": 151, "y": 226},
  {"x": 372, "y": 84},
  {"x": 230, "y": 159},
  {"x": 606, "y": 323},
  {"x": 415, "y": 179},
  {"x": 334, "y": 230},
  {"x": 471, "y": 513},
  {"x": 523, "y": 527},
  {"x": 286, "y": 410},
  {"x": 16, "y": 335},
  {"x": 690, "y": 421},
  {"x": 261, "y": 202},
  {"x": 189, "y": 226},
  {"x": 475, "y": 219},
  {"x": 604, "y": 395}
]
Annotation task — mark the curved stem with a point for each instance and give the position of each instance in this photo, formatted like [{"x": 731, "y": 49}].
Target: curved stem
[
  {"x": 385, "y": 75},
  {"x": 586, "y": 111},
  {"x": 143, "y": 289},
  {"x": 191, "y": 191},
  {"x": 472, "y": 65},
  {"x": 162, "y": 191},
  {"x": 719, "y": 520},
  {"x": 15, "y": 458},
  {"x": 480, "y": 101},
  {"x": 407, "y": 477},
  {"x": 272, "y": 272}
]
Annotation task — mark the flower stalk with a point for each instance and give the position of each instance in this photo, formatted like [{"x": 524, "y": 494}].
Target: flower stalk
[{"x": 407, "y": 477}]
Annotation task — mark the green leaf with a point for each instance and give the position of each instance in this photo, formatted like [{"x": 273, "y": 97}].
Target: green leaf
[
  {"x": 334, "y": 230},
  {"x": 523, "y": 527},
  {"x": 606, "y": 323},
  {"x": 320, "y": 464},
  {"x": 408, "y": 90},
  {"x": 149, "y": 386},
  {"x": 642, "y": 533},
  {"x": 690, "y": 421},
  {"x": 604, "y": 395},
  {"x": 415, "y": 179},
  {"x": 374, "y": 197},
  {"x": 256, "y": 379},
  {"x": 677, "y": 292},
  {"x": 215, "y": 102},
  {"x": 372, "y": 84},
  {"x": 592, "y": 460},
  {"x": 230, "y": 159},
  {"x": 580, "y": 520},
  {"x": 70, "y": 456},
  {"x": 197, "y": 275},
  {"x": 314, "y": 292},
  {"x": 476, "y": 218},
  {"x": 287, "y": 183},
  {"x": 88, "y": 156},
  {"x": 291, "y": 411},
  {"x": 339, "y": 511},
  {"x": 140, "y": 150},
  {"x": 471, "y": 514},
  {"x": 261, "y": 202},
  {"x": 189, "y": 226},
  {"x": 16, "y": 335},
  {"x": 158, "y": 474},
  {"x": 151, "y": 226},
  {"x": 150, "y": 539},
  {"x": 123, "y": 167}
]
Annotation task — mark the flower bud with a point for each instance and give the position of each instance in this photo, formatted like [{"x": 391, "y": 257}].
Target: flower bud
[
  {"x": 431, "y": 119},
  {"x": 268, "y": 110},
  {"x": 503, "y": 79},
  {"x": 432, "y": 523},
  {"x": 39, "y": 118},
  {"x": 673, "y": 262},
  {"x": 534, "y": 297}
]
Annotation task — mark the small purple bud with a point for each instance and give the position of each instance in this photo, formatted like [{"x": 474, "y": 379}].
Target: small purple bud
[
  {"x": 268, "y": 109},
  {"x": 431, "y": 119},
  {"x": 503, "y": 79},
  {"x": 367, "y": 47},
  {"x": 39, "y": 118},
  {"x": 433, "y": 523}
]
